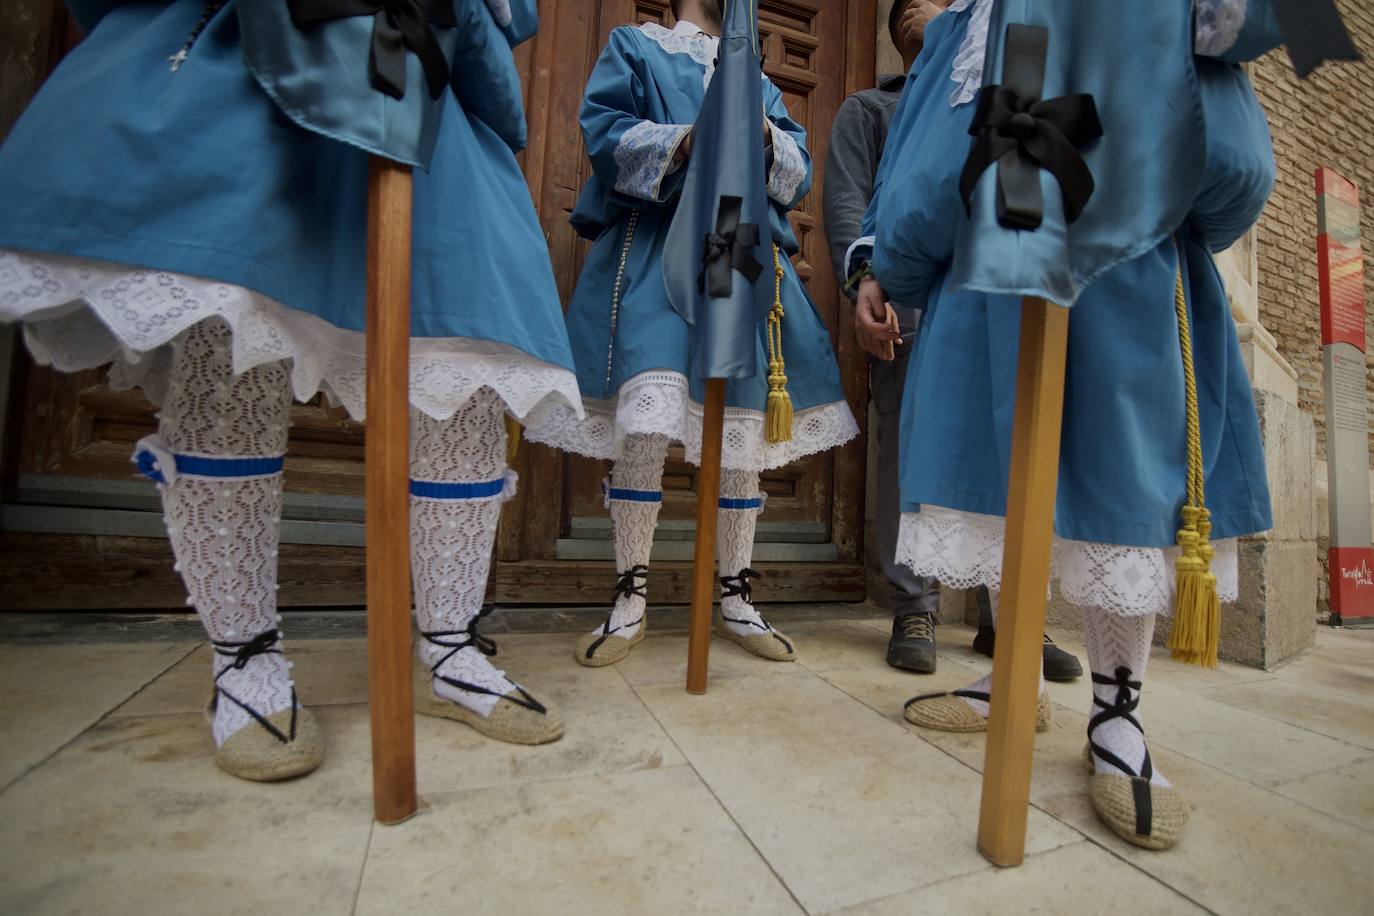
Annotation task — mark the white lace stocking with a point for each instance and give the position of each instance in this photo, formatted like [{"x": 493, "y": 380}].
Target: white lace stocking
[
  {"x": 224, "y": 530},
  {"x": 1118, "y": 641},
  {"x": 452, "y": 531},
  {"x": 984, "y": 683},
  {"x": 639, "y": 468},
  {"x": 735, "y": 547}
]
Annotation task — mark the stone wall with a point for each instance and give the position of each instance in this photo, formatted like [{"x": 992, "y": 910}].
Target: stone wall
[{"x": 1323, "y": 120}]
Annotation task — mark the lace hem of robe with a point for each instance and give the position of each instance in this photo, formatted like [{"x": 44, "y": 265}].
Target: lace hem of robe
[{"x": 964, "y": 550}]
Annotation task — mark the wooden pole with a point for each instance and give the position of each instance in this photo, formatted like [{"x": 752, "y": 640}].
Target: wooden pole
[
  {"x": 387, "y": 475},
  {"x": 704, "y": 556},
  {"x": 1025, "y": 580}
]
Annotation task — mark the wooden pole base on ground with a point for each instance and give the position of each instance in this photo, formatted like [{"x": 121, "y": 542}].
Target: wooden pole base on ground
[
  {"x": 704, "y": 556},
  {"x": 1025, "y": 579},
  {"x": 387, "y": 446}
]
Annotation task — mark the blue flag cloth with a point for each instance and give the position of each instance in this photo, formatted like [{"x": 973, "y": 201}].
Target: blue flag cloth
[
  {"x": 372, "y": 73},
  {"x": 718, "y": 257},
  {"x": 1090, "y": 144}
]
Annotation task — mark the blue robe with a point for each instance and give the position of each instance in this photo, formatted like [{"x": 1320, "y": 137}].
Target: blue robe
[
  {"x": 1122, "y": 473},
  {"x": 199, "y": 172},
  {"x": 641, "y": 102}
]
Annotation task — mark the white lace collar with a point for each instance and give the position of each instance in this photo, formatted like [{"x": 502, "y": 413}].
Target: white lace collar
[{"x": 683, "y": 38}]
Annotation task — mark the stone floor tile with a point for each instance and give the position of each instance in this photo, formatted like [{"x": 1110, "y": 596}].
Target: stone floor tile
[
  {"x": 1345, "y": 792},
  {"x": 53, "y": 693},
  {"x": 1339, "y": 663},
  {"x": 644, "y": 842},
  {"x": 1246, "y": 850},
  {"x": 327, "y": 672},
  {"x": 1067, "y": 881},
  {"x": 607, "y": 727},
  {"x": 134, "y": 817},
  {"x": 1245, "y": 744},
  {"x": 845, "y": 805},
  {"x": 661, "y": 660},
  {"x": 1335, "y": 714}
]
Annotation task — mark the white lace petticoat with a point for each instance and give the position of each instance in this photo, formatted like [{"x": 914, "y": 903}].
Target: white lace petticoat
[
  {"x": 80, "y": 313},
  {"x": 658, "y": 402},
  {"x": 964, "y": 550}
]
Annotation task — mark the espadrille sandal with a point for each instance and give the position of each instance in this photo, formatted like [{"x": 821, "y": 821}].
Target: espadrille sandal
[
  {"x": 603, "y": 647},
  {"x": 517, "y": 717},
  {"x": 288, "y": 743},
  {"x": 1137, "y": 810},
  {"x": 767, "y": 643},
  {"x": 947, "y": 713}
]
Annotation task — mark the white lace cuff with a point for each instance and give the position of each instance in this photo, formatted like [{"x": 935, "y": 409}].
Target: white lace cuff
[
  {"x": 967, "y": 72},
  {"x": 644, "y": 157},
  {"x": 1216, "y": 25},
  {"x": 789, "y": 167}
]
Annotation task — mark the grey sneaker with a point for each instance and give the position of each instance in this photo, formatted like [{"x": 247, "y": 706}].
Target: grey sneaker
[{"x": 912, "y": 646}]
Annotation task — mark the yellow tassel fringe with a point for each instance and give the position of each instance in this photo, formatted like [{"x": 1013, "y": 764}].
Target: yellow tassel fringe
[
  {"x": 778, "y": 420},
  {"x": 1197, "y": 612}
]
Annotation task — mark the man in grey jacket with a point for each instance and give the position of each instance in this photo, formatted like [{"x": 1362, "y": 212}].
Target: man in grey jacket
[{"x": 856, "y": 143}]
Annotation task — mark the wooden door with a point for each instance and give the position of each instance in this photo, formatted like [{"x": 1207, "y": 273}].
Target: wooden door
[
  {"x": 79, "y": 530},
  {"x": 815, "y": 506}
]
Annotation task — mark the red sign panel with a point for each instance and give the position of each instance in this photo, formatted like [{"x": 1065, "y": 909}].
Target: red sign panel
[
  {"x": 1352, "y": 581},
  {"x": 1340, "y": 263},
  {"x": 1340, "y": 272}
]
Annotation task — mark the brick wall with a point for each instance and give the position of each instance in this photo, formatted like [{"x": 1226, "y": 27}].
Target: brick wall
[{"x": 1327, "y": 119}]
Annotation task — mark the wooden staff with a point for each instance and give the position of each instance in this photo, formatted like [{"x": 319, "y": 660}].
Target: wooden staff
[
  {"x": 704, "y": 556},
  {"x": 1017, "y": 658},
  {"x": 387, "y": 454}
]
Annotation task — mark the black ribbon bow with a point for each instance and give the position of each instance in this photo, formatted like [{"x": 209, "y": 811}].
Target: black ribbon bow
[
  {"x": 729, "y": 248},
  {"x": 243, "y": 652},
  {"x": 397, "y": 25},
  {"x": 1313, "y": 32},
  {"x": 1023, "y": 133}
]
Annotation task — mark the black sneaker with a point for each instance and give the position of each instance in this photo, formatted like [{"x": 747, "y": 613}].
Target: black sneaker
[
  {"x": 1059, "y": 665},
  {"x": 912, "y": 647}
]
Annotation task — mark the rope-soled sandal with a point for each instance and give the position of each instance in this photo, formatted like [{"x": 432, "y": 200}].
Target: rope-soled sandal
[
  {"x": 767, "y": 643},
  {"x": 603, "y": 647},
  {"x": 947, "y": 713},
  {"x": 288, "y": 743}
]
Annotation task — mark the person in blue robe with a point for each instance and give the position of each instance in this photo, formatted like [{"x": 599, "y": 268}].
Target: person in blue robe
[
  {"x": 1124, "y": 463},
  {"x": 190, "y": 221},
  {"x": 632, "y": 348}
]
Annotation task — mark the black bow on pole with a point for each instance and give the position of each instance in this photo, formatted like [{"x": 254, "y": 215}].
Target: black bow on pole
[
  {"x": 397, "y": 25},
  {"x": 1313, "y": 32},
  {"x": 1023, "y": 133},
  {"x": 729, "y": 248}
]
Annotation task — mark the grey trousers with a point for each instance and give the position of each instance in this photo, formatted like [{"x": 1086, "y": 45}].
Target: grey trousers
[{"x": 886, "y": 381}]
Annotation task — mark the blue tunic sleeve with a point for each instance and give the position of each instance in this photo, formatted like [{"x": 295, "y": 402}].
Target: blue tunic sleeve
[
  {"x": 483, "y": 73},
  {"x": 1239, "y": 170},
  {"x": 901, "y": 126},
  {"x": 1235, "y": 30},
  {"x": 789, "y": 179},
  {"x": 917, "y": 210},
  {"x": 629, "y": 152}
]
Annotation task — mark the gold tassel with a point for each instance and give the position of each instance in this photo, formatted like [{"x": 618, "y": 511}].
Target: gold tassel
[
  {"x": 512, "y": 440},
  {"x": 778, "y": 420},
  {"x": 1197, "y": 611}
]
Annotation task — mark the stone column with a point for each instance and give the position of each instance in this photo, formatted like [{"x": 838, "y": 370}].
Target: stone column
[{"x": 1276, "y": 613}]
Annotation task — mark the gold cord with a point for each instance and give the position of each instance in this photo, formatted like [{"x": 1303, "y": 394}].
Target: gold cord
[{"x": 778, "y": 419}]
